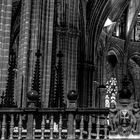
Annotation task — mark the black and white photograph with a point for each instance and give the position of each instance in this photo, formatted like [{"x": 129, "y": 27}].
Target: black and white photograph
[{"x": 69, "y": 69}]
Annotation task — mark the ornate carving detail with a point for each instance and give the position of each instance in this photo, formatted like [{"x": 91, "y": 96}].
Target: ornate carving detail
[{"x": 124, "y": 119}]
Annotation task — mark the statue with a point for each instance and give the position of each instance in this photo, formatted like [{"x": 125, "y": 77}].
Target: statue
[
  {"x": 136, "y": 109},
  {"x": 113, "y": 111},
  {"x": 136, "y": 112}
]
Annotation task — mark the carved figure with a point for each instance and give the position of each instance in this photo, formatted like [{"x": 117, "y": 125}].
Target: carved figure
[
  {"x": 126, "y": 121},
  {"x": 113, "y": 111},
  {"x": 136, "y": 112},
  {"x": 123, "y": 121}
]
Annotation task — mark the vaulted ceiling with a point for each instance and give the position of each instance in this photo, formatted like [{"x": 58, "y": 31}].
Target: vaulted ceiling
[
  {"x": 100, "y": 10},
  {"x": 113, "y": 9}
]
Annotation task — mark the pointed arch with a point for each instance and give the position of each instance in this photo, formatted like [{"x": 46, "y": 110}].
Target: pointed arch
[{"x": 96, "y": 24}]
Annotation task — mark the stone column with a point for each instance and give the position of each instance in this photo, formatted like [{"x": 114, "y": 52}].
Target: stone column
[
  {"x": 69, "y": 34},
  {"x": 47, "y": 51},
  {"x": 23, "y": 55},
  {"x": 5, "y": 29}
]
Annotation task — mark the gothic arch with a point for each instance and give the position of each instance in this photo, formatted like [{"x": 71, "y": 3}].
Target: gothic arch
[
  {"x": 111, "y": 62},
  {"x": 135, "y": 54},
  {"x": 96, "y": 24},
  {"x": 113, "y": 58},
  {"x": 115, "y": 71},
  {"x": 117, "y": 51}
]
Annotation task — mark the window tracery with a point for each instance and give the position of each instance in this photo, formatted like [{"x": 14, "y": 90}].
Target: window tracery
[{"x": 111, "y": 93}]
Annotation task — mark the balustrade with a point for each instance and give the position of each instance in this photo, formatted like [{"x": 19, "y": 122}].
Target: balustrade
[{"x": 54, "y": 123}]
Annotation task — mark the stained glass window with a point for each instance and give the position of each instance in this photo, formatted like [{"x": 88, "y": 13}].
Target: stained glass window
[{"x": 112, "y": 90}]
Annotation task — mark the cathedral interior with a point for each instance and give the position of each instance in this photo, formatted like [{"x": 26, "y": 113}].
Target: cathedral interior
[{"x": 77, "y": 58}]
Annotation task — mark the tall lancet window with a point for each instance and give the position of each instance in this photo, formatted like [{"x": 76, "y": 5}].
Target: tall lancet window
[{"x": 112, "y": 90}]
